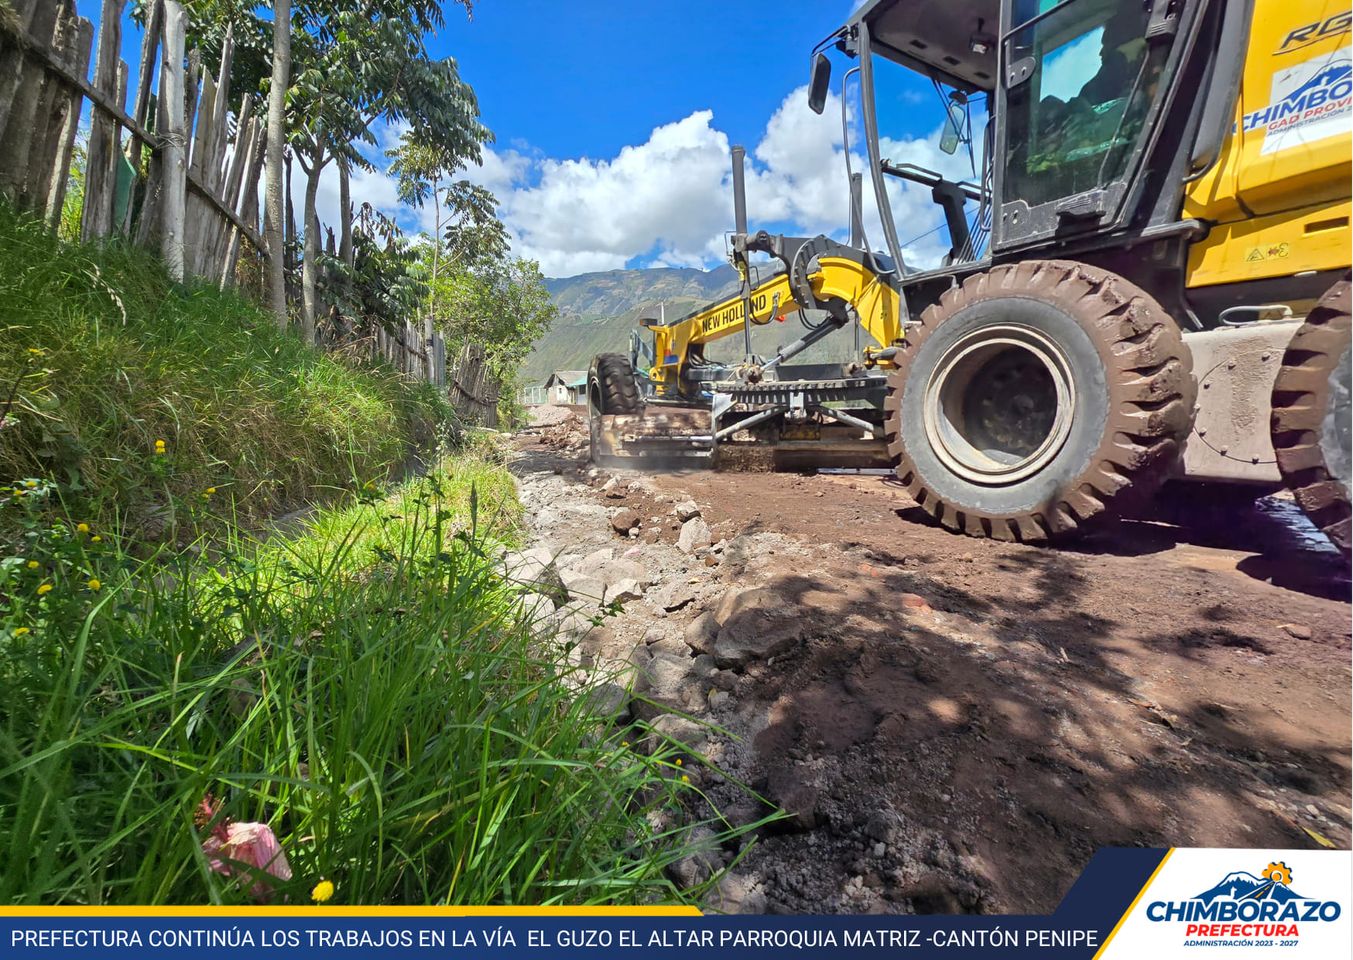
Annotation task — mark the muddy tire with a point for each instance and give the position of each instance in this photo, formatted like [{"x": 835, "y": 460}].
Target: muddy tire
[
  {"x": 1311, "y": 415},
  {"x": 611, "y": 389},
  {"x": 1036, "y": 398}
]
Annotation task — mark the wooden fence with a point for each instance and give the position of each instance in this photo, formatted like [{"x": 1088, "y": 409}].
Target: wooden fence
[
  {"x": 473, "y": 390},
  {"x": 181, "y": 183},
  {"x": 179, "y": 172},
  {"x": 413, "y": 355}
]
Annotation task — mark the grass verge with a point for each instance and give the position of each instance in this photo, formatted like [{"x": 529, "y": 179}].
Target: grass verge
[
  {"x": 102, "y": 355},
  {"x": 369, "y": 688}
]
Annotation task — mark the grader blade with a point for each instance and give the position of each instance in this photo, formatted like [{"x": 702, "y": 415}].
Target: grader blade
[{"x": 657, "y": 439}]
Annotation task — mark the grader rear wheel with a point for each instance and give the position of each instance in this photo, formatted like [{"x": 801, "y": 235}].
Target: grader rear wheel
[
  {"x": 1311, "y": 415},
  {"x": 1034, "y": 396}
]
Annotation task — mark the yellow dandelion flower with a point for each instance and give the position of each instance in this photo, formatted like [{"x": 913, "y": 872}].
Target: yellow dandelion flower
[
  {"x": 323, "y": 891},
  {"x": 211, "y": 491},
  {"x": 21, "y": 631},
  {"x": 44, "y": 589},
  {"x": 95, "y": 584},
  {"x": 35, "y": 351},
  {"x": 82, "y": 527},
  {"x": 96, "y": 539},
  {"x": 30, "y": 484},
  {"x": 685, "y": 779},
  {"x": 33, "y": 564},
  {"x": 678, "y": 761}
]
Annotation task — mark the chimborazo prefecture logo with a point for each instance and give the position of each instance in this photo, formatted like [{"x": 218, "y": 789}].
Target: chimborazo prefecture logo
[{"x": 1242, "y": 907}]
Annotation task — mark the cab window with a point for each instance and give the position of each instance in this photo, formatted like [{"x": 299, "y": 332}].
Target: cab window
[{"x": 1086, "y": 78}]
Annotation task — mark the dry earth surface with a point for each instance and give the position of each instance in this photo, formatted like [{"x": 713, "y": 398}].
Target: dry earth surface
[{"x": 951, "y": 724}]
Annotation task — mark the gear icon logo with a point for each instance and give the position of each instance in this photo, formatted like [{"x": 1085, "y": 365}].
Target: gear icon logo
[{"x": 1279, "y": 873}]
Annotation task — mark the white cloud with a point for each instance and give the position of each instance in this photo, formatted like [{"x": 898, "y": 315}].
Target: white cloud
[
  {"x": 668, "y": 200},
  {"x": 596, "y": 214}
]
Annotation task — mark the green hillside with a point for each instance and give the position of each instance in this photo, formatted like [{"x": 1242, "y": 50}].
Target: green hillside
[{"x": 597, "y": 311}]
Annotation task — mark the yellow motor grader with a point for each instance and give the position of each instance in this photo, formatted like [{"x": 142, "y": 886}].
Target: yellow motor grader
[{"x": 1147, "y": 274}]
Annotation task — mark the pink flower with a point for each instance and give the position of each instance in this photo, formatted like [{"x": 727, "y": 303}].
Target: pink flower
[{"x": 232, "y": 847}]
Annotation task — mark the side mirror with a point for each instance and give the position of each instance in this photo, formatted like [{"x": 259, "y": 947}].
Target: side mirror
[
  {"x": 953, "y": 126},
  {"x": 819, "y": 82}
]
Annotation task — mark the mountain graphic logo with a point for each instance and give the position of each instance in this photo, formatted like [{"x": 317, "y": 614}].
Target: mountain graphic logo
[
  {"x": 1242, "y": 904},
  {"x": 1319, "y": 99},
  {"x": 1274, "y": 883},
  {"x": 1327, "y": 77}
]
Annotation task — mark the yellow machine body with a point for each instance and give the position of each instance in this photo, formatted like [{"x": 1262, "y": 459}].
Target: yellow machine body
[
  {"x": 1278, "y": 197},
  {"x": 875, "y": 304}
]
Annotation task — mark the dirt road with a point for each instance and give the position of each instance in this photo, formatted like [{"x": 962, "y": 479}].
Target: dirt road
[{"x": 957, "y": 724}]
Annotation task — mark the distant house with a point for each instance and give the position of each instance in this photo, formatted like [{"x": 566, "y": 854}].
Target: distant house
[{"x": 566, "y": 386}]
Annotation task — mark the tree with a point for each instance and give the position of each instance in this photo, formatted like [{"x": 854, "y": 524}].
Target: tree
[
  {"x": 385, "y": 281},
  {"x": 361, "y": 66},
  {"x": 275, "y": 229},
  {"x": 502, "y": 305},
  {"x": 466, "y": 229}
]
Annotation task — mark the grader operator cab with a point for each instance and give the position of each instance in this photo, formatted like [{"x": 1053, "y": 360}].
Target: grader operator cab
[{"x": 1146, "y": 275}]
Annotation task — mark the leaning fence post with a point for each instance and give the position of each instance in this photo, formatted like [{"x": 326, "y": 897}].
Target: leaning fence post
[{"x": 69, "y": 124}]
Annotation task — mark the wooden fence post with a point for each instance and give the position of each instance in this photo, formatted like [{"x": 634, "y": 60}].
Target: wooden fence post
[
  {"x": 18, "y": 134},
  {"x": 101, "y": 160},
  {"x": 150, "y": 45},
  {"x": 12, "y": 57},
  {"x": 174, "y": 174},
  {"x": 65, "y": 148}
]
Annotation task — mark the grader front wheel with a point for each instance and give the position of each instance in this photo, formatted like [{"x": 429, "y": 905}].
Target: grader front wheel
[
  {"x": 611, "y": 390},
  {"x": 1035, "y": 397}
]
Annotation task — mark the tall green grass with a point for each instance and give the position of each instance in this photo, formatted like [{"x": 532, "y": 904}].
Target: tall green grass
[
  {"x": 369, "y": 688},
  {"x": 101, "y": 355},
  {"x": 364, "y": 681}
]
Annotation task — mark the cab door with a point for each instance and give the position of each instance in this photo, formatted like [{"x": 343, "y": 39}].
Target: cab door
[{"x": 1082, "y": 83}]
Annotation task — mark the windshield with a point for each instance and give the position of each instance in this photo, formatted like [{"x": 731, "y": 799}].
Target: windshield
[{"x": 912, "y": 111}]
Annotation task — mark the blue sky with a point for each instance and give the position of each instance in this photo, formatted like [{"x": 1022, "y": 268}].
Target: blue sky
[
  {"x": 589, "y": 77},
  {"x": 613, "y": 123}
]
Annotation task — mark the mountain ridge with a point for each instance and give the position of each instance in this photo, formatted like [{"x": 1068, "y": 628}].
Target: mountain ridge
[{"x": 598, "y": 310}]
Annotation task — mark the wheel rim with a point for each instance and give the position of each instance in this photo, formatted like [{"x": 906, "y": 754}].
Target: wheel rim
[{"x": 998, "y": 406}]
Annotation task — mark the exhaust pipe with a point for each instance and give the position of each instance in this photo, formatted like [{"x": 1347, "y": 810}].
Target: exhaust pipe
[
  {"x": 739, "y": 191},
  {"x": 856, "y": 198}
]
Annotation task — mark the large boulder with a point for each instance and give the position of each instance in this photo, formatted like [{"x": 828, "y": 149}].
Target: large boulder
[
  {"x": 623, "y": 591},
  {"x": 624, "y": 520},
  {"x": 603, "y": 578},
  {"x": 582, "y": 585},
  {"x": 666, "y": 681},
  {"x": 537, "y": 608},
  {"x": 750, "y": 624},
  {"x": 694, "y": 536},
  {"x": 675, "y": 595}
]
